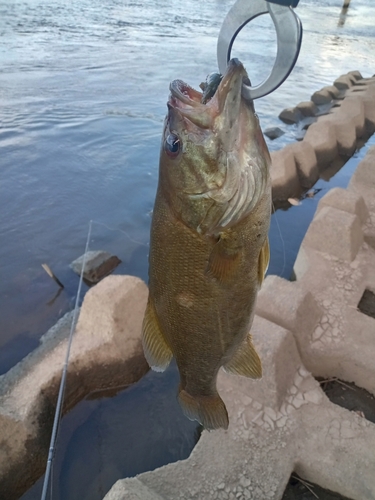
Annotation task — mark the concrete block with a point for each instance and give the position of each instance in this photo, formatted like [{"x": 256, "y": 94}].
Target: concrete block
[
  {"x": 132, "y": 489},
  {"x": 290, "y": 115},
  {"x": 321, "y": 97},
  {"x": 106, "y": 353},
  {"x": 344, "y": 82},
  {"x": 306, "y": 163},
  {"x": 244, "y": 461},
  {"x": 346, "y": 200},
  {"x": 369, "y": 106},
  {"x": 323, "y": 233},
  {"x": 284, "y": 178},
  {"x": 345, "y": 131},
  {"x": 293, "y": 307},
  {"x": 322, "y": 442},
  {"x": 340, "y": 428},
  {"x": 98, "y": 264},
  {"x": 353, "y": 107},
  {"x": 363, "y": 179},
  {"x": 322, "y": 137},
  {"x": 355, "y": 74},
  {"x": 366, "y": 81},
  {"x": 307, "y": 108},
  {"x": 334, "y": 91}
]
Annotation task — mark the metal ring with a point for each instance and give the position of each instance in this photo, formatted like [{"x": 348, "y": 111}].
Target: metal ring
[{"x": 289, "y": 38}]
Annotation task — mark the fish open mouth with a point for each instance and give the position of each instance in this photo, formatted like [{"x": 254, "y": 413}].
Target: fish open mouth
[
  {"x": 185, "y": 94},
  {"x": 188, "y": 101}
]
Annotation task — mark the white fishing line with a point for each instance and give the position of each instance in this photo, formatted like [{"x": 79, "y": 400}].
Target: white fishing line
[
  {"x": 121, "y": 231},
  {"x": 60, "y": 398}
]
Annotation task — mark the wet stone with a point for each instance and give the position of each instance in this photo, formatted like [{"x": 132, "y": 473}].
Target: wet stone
[
  {"x": 273, "y": 132},
  {"x": 98, "y": 265}
]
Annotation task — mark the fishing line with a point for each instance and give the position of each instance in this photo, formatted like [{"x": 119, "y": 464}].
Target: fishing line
[
  {"x": 282, "y": 240},
  {"x": 60, "y": 397},
  {"x": 121, "y": 231}
]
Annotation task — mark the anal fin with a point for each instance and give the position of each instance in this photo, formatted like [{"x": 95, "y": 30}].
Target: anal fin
[
  {"x": 264, "y": 260},
  {"x": 155, "y": 348},
  {"x": 245, "y": 361}
]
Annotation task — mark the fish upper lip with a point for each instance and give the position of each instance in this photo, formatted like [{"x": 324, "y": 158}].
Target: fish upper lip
[{"x": 183, "y": 95}]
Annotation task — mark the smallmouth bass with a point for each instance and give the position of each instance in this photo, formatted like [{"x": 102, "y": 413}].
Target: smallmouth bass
[{"x": 209, "y": 247}]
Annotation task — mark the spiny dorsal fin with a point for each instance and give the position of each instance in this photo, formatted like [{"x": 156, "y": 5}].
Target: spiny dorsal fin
[
  {"x": 156, "y": 350},
  {"x": 264, "y": 260},
  {"x": 224, "y": 258},
  {"x": 245, "y": 361}
]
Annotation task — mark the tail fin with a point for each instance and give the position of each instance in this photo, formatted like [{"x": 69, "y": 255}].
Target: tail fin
[{"x": 210, "y": 411}]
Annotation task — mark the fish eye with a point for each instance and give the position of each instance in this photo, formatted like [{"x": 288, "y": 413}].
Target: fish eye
[{"x": 172, "y": 145}]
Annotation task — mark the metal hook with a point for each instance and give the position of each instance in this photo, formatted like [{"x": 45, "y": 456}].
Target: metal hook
[{"x": 289, "y": 37}]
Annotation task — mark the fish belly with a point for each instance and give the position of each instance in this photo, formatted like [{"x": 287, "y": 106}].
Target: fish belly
[{"x": 203, "y": 321}]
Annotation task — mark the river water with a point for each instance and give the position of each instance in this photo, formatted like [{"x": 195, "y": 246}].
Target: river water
[{"x": 83, "y": 87}]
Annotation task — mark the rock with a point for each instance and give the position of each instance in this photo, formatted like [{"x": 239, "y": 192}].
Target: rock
[
  {"x": 307, "y": 108},
  {"x": 273, "y": 132},
  {"x": 98, "y": 265},
  {"x": 290, "y": 115}
]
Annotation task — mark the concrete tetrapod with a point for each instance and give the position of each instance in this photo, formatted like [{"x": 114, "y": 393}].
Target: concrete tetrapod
[
  {"x": 330, "y": 140},
  {"x": 334, "y": 266},
  {"x": 285, "y": 422},
  {"x": 106, "y": 354},
  {"x": 281, "y": 423}
]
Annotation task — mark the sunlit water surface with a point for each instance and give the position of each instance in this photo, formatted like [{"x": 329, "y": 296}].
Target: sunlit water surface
[{"x": 83, "y": 87}]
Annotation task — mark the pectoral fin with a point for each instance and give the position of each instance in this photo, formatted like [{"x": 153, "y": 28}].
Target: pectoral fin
[
  {"x": 264, "y": 260},
  {"x": 245, "y": 361},
  {"x": 224, "y": 258},
  {"x": 156, "y": 350}
]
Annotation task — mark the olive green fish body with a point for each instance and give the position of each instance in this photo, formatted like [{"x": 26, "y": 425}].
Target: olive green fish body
[{"x": 208, "y": 255}]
